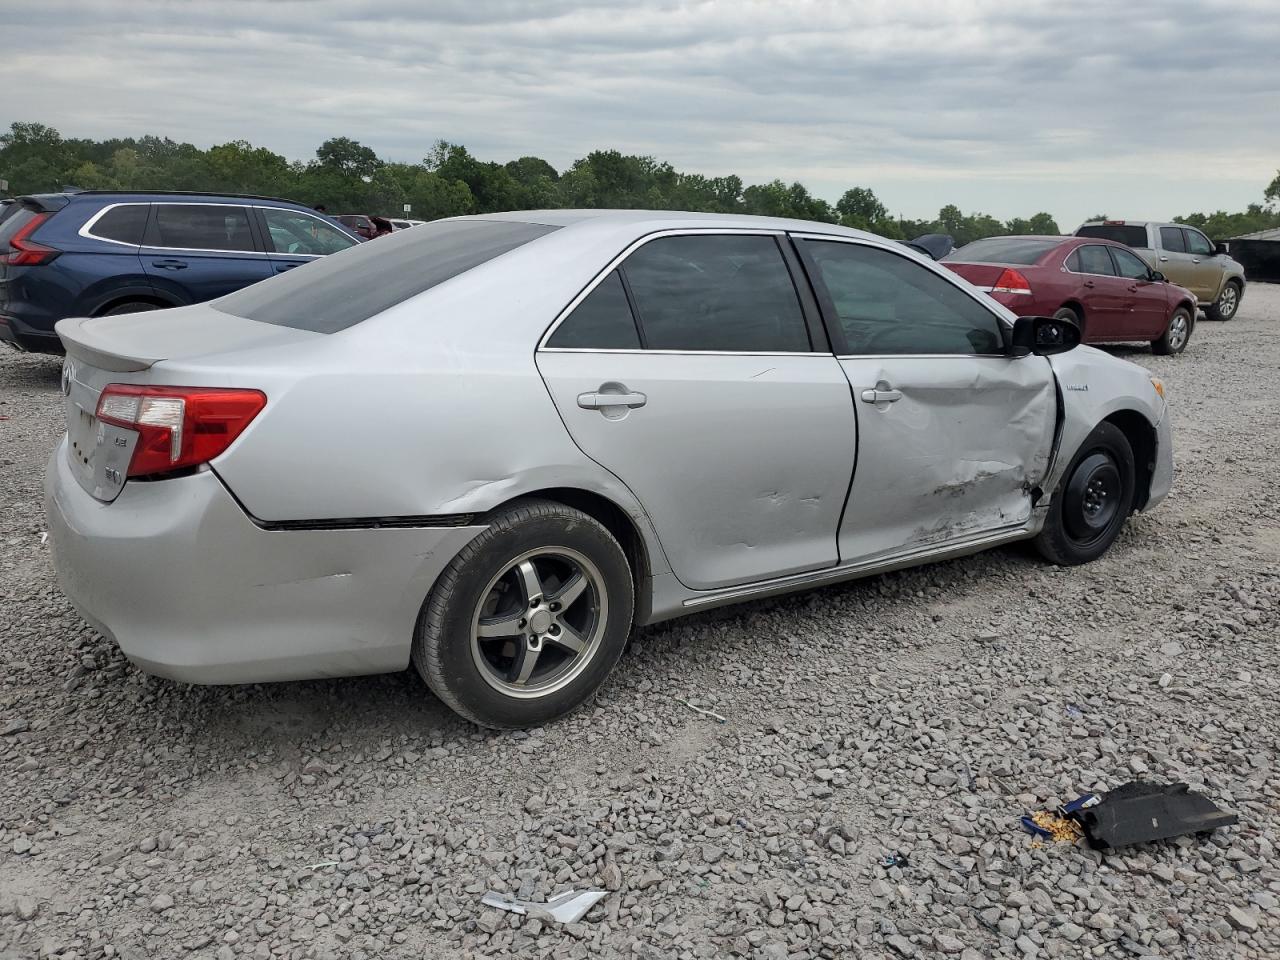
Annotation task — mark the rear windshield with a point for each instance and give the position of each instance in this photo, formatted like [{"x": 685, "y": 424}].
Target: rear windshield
[
  {"x": 1023, "y": 250},
  {"x": 1129, "y": 236},
  {"x": 349, "y": 287}
]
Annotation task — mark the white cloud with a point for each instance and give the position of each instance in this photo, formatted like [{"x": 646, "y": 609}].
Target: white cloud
[{"x": 991, "y": 107}]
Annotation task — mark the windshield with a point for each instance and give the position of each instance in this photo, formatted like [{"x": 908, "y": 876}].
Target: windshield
[
  {"x": 349, "y": 287},
  {"x": 1023, "y": 250}
]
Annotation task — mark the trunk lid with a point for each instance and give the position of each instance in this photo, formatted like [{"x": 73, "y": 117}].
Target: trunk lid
[
  {"x": 981, "y": 274},
  {"x": 127, "y": 349}
]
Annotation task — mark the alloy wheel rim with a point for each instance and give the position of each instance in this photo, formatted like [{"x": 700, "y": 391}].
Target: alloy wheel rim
[
  {"x": 1228, "y": 302},
  {"x": 1092, "y": 502},
  {"x": 1178, "y": 331},
  {"x": 539, "y": 622}
]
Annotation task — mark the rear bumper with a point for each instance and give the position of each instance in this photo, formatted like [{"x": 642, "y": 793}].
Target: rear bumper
[
  {"x": 16, "y": 333},
  {"x": 192, "y": 589}
]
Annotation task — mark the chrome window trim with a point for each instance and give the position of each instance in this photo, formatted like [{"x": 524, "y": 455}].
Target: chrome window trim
[
  {"x": 946, "y": 275},
  {"x": 87, "y": 232},
  {"x": 635, "y": 245}
]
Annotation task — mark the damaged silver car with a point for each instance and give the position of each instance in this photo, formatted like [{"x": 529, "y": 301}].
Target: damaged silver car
[{"x": 491, "y": 446}]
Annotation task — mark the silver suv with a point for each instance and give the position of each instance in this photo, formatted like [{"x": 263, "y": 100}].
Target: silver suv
[{"x": 1184, "y": 255}]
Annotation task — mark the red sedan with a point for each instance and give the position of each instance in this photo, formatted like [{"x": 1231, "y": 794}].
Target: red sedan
[{"x": 1103, "y": 286}]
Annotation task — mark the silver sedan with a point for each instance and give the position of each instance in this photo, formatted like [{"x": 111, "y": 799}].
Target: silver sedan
[{"x": 494, "y": 445}]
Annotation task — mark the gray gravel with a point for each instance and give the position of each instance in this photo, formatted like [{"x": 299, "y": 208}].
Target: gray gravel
[{"x": 919, "y": 712}]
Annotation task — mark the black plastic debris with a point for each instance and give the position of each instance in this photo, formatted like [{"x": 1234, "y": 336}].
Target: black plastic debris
[
  {"x": 1142, "y": 811},
  {"x": 891, "y": 860}
]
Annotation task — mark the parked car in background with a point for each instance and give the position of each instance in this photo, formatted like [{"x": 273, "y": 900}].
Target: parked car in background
[
  {"x": 490, "y": 445},
  {"x": 406, "y": 224},
  {"x": 96, "y": 253},
  {"x": 1184, "y": 255},
  {"x": 366, "y": 226},
  {"x": 1101, "y": 286}
]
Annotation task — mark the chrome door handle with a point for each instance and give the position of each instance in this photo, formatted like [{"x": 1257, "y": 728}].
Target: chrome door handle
[
  {"x": 604, "y": 398},
  {"x": 888, "y": 395},
  {"x": 1164, "y": 259},
  {"x": 1195, "y": 259}
]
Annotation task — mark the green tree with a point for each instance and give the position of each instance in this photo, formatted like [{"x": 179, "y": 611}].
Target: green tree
[
  {"x": 861, "y": 209},
  {"x": 348, "y": 156},
  {"x": 1045, "y": 225}
]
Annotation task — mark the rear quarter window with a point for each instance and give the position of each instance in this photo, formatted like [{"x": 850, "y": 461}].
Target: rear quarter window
[
  {"x": 124, "y": 223},
  {"x": 1130, "y": 236},
  {"x": 347, "y": 288}
]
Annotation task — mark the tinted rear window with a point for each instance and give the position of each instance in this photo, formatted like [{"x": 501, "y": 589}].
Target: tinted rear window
[
  {"x": 123, "y": 224},
  {"x": 350, "y": 287},
  {"x": 200, "y": 226},
  {"x": 1024, "y": 250},
  {"x": 1129, "y": 236}
]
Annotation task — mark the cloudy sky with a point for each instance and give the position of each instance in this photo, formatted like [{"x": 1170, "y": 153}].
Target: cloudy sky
[{"x": 1136, "y": 109}]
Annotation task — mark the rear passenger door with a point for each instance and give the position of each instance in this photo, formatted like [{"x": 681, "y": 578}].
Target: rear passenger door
[
  {"x": 697, "y": 372},
  {"x": 1106, "y": 298},
  {"x": 293, "y": 237},
  {"x": 953, "y": 432},
  {"x": 199, "y": 251}
]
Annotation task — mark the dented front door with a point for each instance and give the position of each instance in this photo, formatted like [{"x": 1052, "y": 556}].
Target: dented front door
[{"x": 948, "y": 447}]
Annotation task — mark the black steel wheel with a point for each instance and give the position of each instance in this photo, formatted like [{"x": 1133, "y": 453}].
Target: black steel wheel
[{"x": 1093, "y": 500}]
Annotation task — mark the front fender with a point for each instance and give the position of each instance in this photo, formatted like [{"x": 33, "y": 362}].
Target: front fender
[{"x": 1093, "y": 385}]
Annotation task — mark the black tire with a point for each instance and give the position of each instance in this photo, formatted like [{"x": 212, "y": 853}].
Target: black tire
[
  {"x": 130, "y": 306},
  {"x": 1068, "y": 313},
  {"x": 471, "y": 674},
  {"x": 1092, "y": 502},
  {"x": 1176, "y": 335},
  {"x": 1228, "y": 303}
]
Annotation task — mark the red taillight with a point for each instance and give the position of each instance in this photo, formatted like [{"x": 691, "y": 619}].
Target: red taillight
[
  {"x": 27, "y": 253},
  {"x": 178, "y": 426},
  {"x": 1011, "y": 281}
]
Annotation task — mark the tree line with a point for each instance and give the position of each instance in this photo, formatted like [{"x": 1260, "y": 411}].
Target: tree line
[{"x": 348, "y": 177}]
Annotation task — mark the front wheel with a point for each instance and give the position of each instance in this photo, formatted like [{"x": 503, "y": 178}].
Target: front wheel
[
  {"x": 1176, "y": 334},
  {"x": 1093, "y": 500},
  {"x": 527, "y": 621},
  {"x": 1227, "y": 304}
]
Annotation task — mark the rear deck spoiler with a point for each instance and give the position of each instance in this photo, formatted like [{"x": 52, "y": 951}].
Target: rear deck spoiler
[{"x": 84, "y": 344}]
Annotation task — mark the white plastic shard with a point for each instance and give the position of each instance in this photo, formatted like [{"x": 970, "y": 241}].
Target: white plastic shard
[{"x": 567, "y": 907}]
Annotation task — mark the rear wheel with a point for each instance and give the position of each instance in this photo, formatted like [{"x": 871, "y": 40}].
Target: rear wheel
[
  {"x": 1176, "y": 335},
  {"x": 1067, "y": 313},
  {"x": 1227, "y": 304},
  {"x": 525, "y": 624},
  {"x": 1093, "y": 500},
  {"x": 129, "y": 306}
]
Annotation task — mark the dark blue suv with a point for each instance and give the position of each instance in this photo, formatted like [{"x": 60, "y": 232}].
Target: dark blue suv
[{"x": 94, "y": 253}]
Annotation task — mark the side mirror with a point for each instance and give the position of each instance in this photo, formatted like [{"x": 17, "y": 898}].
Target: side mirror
[
  {"x": 1158, "y": 277},
  {"x": 1220, "y": 248},
  {"x": 1044, "y": 336}
]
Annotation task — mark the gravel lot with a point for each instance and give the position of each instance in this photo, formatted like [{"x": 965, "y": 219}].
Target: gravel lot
[{"x": 920, "y": 712}]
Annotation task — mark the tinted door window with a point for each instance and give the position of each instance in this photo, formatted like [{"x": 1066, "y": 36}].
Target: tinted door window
[
  {"x": 190, "y": 226},
  {"x": 1095, "y": 258},
  {"x": 124, "y": 224},
  {"x": 717, "y": 293},
  {"x": 292, "y": 231},
  {"x": 1171, "y": 239},
  {"x": 889, "y": 304},
  {"x": 1198, "y": 244},
  {"x": 602, "y": 321},
  {"x": 1129, "y": 265}
]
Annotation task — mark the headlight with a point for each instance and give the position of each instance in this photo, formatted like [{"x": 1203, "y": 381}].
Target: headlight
[{"x": 1159, "y": 386}]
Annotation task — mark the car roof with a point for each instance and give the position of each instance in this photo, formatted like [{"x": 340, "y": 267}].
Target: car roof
[
  {"x": 651, "y": 220},
  {"x": 148, "y": 195}
]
